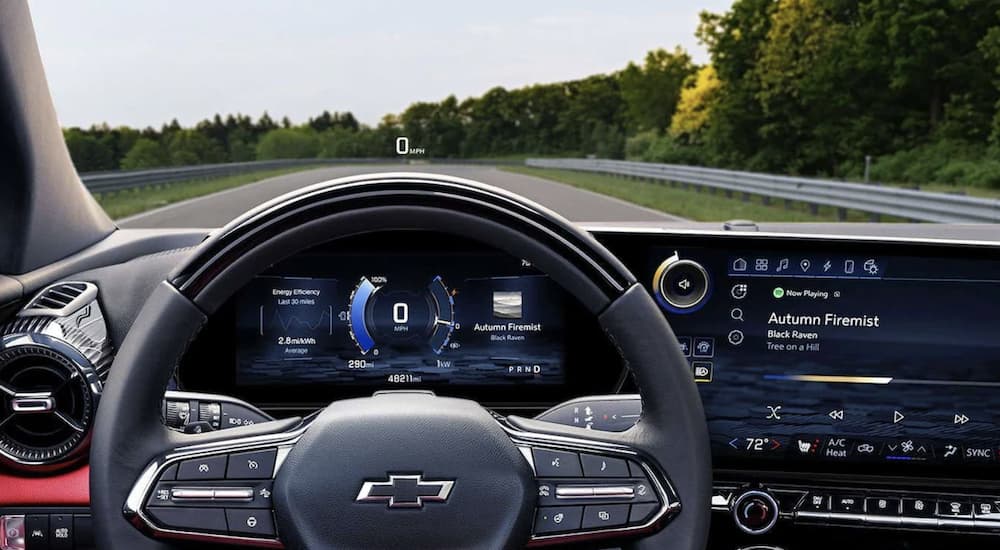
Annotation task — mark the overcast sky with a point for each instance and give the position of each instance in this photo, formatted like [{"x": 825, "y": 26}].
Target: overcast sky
[{"x": 145, "y": 62}]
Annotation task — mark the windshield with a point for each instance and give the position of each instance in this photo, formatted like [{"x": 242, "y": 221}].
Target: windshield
[{"x": 766, "y": 110}]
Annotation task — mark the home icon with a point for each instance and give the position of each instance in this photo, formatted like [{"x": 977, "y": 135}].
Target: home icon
[{"x": 739, "y": 264}]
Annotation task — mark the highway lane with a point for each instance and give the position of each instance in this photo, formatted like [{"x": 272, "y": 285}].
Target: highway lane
[{"x": 215, "y": 210}]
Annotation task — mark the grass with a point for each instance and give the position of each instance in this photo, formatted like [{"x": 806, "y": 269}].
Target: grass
[
  {"x": 690, "y": 203},
  {"x": 120, "y": 204}
]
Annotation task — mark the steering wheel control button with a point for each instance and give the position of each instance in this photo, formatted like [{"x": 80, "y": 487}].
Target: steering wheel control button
[
  {"x": 192, "y": 493},
  {"x": 755, "y": 512},
  {"x": 251, "y": 465},
  {"x": 556, "y": 463},
  {"x": 558, "y": 519},
  {"x": 254, "y": 523},
  {"x": 234, "y": 493},
  {"x": 682, "y": 284},
  {"x": 641, "y": 513},
  {"x": 169, "y": 474},
  {"x": 614, "y": 491},
  {"x": 209, "y": 467},
  {"x": 602, "y": 466},
  {"x": 601, "y": 517},
  {"x": 212, "y": 520}
]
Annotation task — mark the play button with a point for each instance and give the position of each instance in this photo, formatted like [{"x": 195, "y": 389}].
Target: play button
[{"x": 897, "y": 417}]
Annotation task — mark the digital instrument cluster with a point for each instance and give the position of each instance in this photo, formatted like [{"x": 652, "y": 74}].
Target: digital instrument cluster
[
  {"x": 402, "y": 310},
  {"x": 376, "y": 320}
]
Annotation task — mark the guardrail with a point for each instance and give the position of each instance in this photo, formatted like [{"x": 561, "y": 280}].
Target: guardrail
[
  {"x": 874, "y": 199},
  {"x": 118, "y": 180}
]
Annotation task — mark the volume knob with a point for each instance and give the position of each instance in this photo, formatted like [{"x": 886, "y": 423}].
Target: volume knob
[
  {"x": 681, "y": 286},
  {"x": 755, "y": 512}
]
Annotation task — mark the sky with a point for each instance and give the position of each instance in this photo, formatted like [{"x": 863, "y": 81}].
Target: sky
[{"x": 144, "y": 63}]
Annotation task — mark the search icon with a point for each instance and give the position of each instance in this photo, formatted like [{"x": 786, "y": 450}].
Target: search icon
[{"x": 736, "y": 314}]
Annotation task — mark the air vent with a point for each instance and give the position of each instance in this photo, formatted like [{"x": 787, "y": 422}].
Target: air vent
[
  {"x": 60, "y": 299},
  {"x": 48, "y": 398}
]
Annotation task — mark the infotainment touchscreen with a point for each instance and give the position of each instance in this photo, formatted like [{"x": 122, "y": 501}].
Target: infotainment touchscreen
[
  {"x": 400, "y": 320},
  {"x": 847, "y": 357}
]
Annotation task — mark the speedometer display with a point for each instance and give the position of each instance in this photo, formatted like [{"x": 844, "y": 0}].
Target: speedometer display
[{"x": 410, "y": 320}]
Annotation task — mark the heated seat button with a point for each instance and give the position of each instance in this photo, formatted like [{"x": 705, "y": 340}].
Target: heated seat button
[
  {"x": 190, "y": 519},
  {"x": 610, "y": 515},
  {"x": 918, "y": 507},
  {"x": 556, "y": 463},
  {"x": 254, "y": 523},
  {"x": 558, "y": 519},
  {"x": 602, "y": 466},
  {"x": 816, "y": 502},
  {"x": 251, "y": 465},
  {"x": 209, "y": 467},
  {"x": 882, "y": 506}
]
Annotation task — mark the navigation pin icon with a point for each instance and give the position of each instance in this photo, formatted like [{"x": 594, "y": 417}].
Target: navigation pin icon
[{"x": 804, "y": 264}]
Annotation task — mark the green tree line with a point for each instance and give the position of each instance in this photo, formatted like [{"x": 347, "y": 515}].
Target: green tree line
[{"x": 808, "y": 87}]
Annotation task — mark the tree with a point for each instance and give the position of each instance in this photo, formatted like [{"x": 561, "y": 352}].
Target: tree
[
  {"x": 88, "y": 153},
  {"x": 694, "y": 107},
  {"x": 803, "y": 89},
  {"x": 651, "y": 91},
  {"x": 733, "y": 40},
  {"x": 187, "y": 146},
  {"x": 288, "y": 143},
  {"x": 146, "y": 153}
]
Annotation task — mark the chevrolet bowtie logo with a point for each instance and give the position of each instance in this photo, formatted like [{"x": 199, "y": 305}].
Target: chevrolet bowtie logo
[{"x": 405, "y": 491}]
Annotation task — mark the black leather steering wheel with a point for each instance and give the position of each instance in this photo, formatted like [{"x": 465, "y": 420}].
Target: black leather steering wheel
[{"x": 399, "y": 469}]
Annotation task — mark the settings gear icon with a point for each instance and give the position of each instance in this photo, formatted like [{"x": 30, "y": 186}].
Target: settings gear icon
[{"x": 871, "y": 267}]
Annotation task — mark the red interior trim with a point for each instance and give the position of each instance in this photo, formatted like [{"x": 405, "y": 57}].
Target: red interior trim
[{"x": 64, "y": 489}]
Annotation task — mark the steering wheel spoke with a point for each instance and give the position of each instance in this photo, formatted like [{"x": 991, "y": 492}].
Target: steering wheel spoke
[
  {"x": 592, "y": 484},
  {"x": 216, "y": 487}
]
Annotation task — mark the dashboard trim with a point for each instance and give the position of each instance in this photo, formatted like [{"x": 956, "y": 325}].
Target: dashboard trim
[{"x": 597, "y": 230}]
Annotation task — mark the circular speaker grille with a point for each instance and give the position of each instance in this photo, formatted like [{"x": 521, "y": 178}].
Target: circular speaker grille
[{"x": 46, "y": 404}]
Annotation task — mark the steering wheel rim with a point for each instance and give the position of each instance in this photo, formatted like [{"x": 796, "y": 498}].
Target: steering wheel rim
[{"x": 672, "y": 410}]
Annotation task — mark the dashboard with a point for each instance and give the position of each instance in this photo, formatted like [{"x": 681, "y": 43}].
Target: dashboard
[
  {"x": 835, "y": 355},
  {"x": 846, "y": 380}
]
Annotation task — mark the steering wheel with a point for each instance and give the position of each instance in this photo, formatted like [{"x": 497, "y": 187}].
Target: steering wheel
[{"x": 400, "y": 469}]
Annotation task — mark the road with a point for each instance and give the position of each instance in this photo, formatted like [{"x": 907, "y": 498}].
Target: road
[{"x": 215, "y": 210}]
